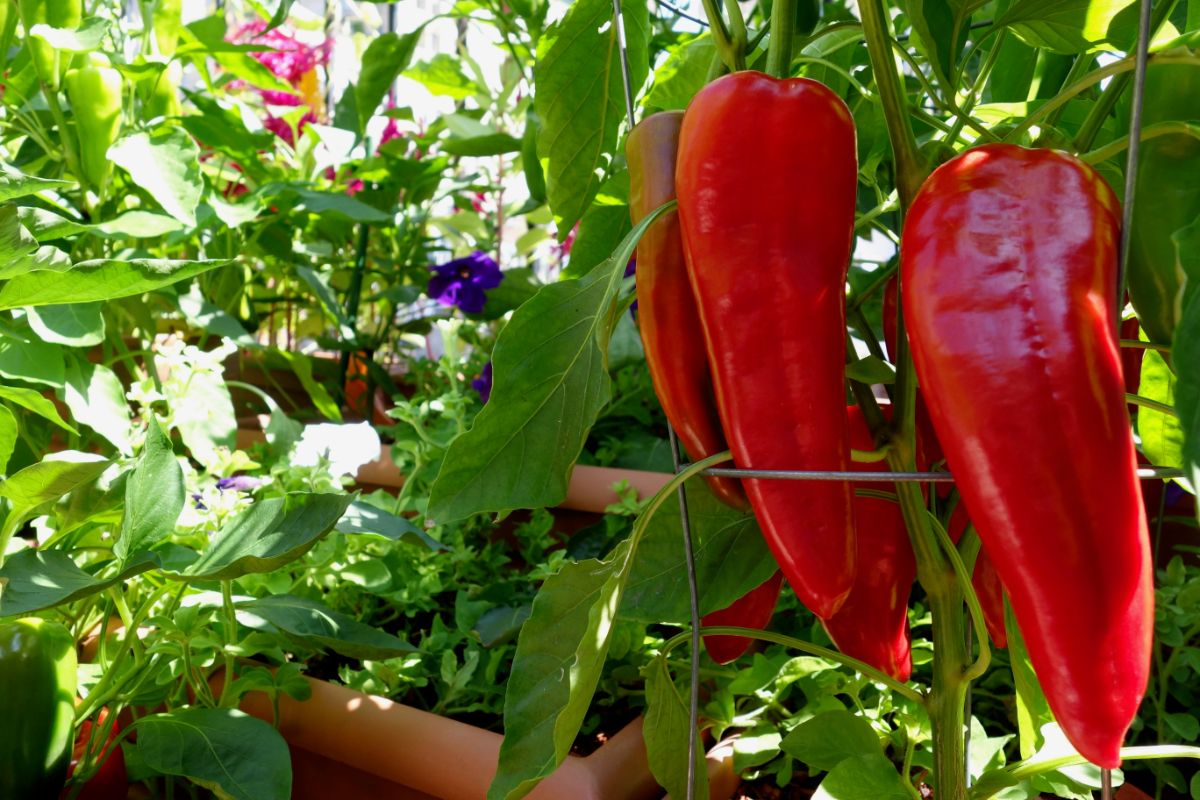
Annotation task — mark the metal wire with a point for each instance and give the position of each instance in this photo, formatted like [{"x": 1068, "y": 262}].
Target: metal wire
[
  {"x": 623, "y": 57},
  {"x": 1131, "y": 160},
  {"x": 679, "y": 12}
]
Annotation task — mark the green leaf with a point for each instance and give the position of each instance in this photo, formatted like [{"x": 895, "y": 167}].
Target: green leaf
[
  {"x": 1185, "y": 726},
  {"x": 320, "y": 627},
  {"x": 363, "y": 518},
  {"x": 338, "y": 204},
  {"x": 830, "y": 738},
  {"x": 755, "y": 747},
  {"x": 560, "y": 653},
  {"x": 35, "y": 402},
  {"x": 864, "y": 777},
  {"x": 581, "y": 99},
  {"x": 154, "y": 495},
  {"x": 442, "y": 76},
  {"x": 1162, "y": 434},
  {"x": 205, "y": 417},
  {"x": 603, "y": 227},
  {"x": 8, "y": 436},
  {"x": 84, "y": 39},
  {"x": 267, "y": 535},
  {"x": 34, "y": 580},
  {"x": 535, "y": 179},
  {"x": 522, "y": 446},
  {"x": 99, "y": 280},
  {"x": 492, "y": 144},
  {"x": 45, "y": 225},
  {"x": 682, "y": 74},
  {"x": 302, "y": 366},
  {"x": 166, "y": 165},
  {"x": 386, "y": 57},
  {"x": 32, "y": 361},
  {"x": 936, "y": 35},
  {"x": 55, "y": 475},
  {"x": 1186, "y": 352},
  {"x": 666, "y": 733},
  {"x": 1071, "y": 26},
  {"x": 15, "y": 184},
  {"x": 731, "y": 559},
  {"x": 223, "y": 750},
  {"x": 72, "y": 324},
  {"x": 139, "y": 225},
  {"x": 871, "y": 369},
  {"x": 1033, "y": 711},
  {"x": 96, "y": 398}
]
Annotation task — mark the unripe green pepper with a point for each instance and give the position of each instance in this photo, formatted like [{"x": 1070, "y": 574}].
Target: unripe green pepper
[
  {"x": 1167, "y": 196},
  {"x": 95, "y": 94},
  {"x": 57, "y": 14},
  {"x": 167, "y": 21},
  {"x": 37, "y": 705},
  {"x": 160, "y": 93}
]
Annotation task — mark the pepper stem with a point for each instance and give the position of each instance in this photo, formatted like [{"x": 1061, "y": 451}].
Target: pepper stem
[{"x": 783, "y": 29}]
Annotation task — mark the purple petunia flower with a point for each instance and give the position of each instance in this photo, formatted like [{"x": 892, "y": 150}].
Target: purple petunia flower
[
  {"x": 464, "y": 282},
  {"x": 631, "y": 269},
  {"x": 483, "y": 384},
  {"x": 239, "y": 483}
]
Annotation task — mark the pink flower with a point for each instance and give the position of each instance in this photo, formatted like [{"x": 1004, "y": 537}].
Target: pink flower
[
  {"x": 354, "y": 187},
  {"x": 289, "y": 57},
  {"x": 276, "y": 98},
  {"x": 283, "y": 129},
  {"x": 390, "y": 131}
]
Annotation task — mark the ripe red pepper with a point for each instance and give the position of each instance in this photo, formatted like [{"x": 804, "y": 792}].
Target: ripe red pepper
[
  {"x": 752, "y": 610},
  {"x": 1008, "y": 266},
  {"x": 667, "y": 317},
  {"x": 766, "y": 180},
  {"x": 872, "y": 625}
]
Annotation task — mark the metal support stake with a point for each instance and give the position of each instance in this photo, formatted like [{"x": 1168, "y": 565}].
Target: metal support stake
[{"x": 1131, "y": 160}]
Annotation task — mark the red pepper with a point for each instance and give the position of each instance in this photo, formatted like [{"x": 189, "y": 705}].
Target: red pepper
[
  {"x": 872, "y": 625},
  {"x": 766, "y": 180},
  {"x": 752, "y": 610},
  {"x": 667, "y": 318},
  {"x": 110, "y": 781},
  {"x": 1008, "y": 269}
]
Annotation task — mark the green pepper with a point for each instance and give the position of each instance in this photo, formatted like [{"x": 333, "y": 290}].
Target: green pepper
[
  {"x": 95, "y": 94},
  {"x": 37, "y": 705},
  {"x": 57, "y": 14},
  {"x": 167, "y": 21},
  {"x": 1167, "y": 197},
  {"x": 159, "y": 93}
]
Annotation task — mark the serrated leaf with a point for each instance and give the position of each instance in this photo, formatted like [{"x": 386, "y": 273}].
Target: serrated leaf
[
  {"x": 99, "y": 280},
  {"x": 267, "y": 535},
  {"x": 581, "y": 99},
  {"x": 239, "y": 756},
  {"x": 522, "y": 446},
  {"x": 321, "y": 627}
]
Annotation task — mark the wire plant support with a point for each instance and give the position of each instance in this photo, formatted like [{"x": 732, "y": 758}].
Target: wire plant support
[{"x": 1147, "y": 473}]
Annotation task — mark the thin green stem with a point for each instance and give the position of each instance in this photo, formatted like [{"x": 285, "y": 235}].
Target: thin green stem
[
  {"x": 783, "y": 30},
  {"x": 968, "y": 591},
  {"x": 1114, "y": 148},
  {"x": 1146, "y": 402},
  {"x": 996, "y": 782},
  {"x": 231, "y": 628},
  {"x": 804, "y": 647}
]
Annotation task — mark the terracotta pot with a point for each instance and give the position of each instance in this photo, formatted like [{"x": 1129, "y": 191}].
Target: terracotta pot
[{"x": 348, "y": 744}]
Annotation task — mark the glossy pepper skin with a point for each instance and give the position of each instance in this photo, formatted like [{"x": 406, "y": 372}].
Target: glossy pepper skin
[
  {"x": 1008, "y": 265},
  {"x": 37, "y": 705},
  {"x": 751, "y": 610},
  {"x": 667, "y": 317},
  {"x": 48, "y": 62},
  {"x": 1167, "y": 198},
  {"x": 766, "y": 181},
  {"x": 872, "y": 625},
  {"x": 95, "y": 91}
]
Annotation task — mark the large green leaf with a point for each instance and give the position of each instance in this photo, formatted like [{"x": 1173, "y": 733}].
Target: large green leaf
[
  {"x": 1071, "y": 26},
  {"x": 603, "y": 227},
  {"x": 96, "y": 398},
  {"x": 551, "y": 380},
  {"x": 560, "y": 653},
  {"x": 154, "y": 495},
  {"x": 227, "y": 751},
  {"x": 581, "y": 99},
  {"x": 15, "y": 184},
  {"x": 8, "y": 436},
  {"x": 205, "y": 417},
  {"x": 830, "y": 738},
  {"x": 668, "y": 722},
  {"x": 1162, "y": 435},
  {"x": 166, "y": 165},
  {"x": 1186, "y": 351},
  {"x": 32, "y": 361},
  {"x": 937, "y": 33},
  {"x": 443, "y": 75},
  {"x": 99, "y": 280},
  {"x": 682, "y": 74},
  {"x": 72, "y": 324},
  {"x": 269, "y": 534},
  {"x": 731, "y": 559},
  {"x": 33, "y": 580},
  {"x": 35, "y": 402},
  {"x": 54, "y": 476},
  {"x": 1033, "y": 711},
  {"x": 321, "y": 627},
  {"x": 386, "y": 57},
  {"x": 864, "y": 777},
  {"x": 363, "y": 518}
]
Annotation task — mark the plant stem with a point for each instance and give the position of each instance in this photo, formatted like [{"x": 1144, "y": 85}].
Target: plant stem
[
  {"x": 909, "y": 172},
  {"x": 783, "y": 29}
]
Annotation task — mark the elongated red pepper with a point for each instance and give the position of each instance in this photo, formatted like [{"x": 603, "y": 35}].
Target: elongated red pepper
[
  {"x": 667, "y": 317},
  {"x": 766, "y": 181},
  {"x": 1008, "y": 269},
  {"x": 751, "y": 610},
  {"x": 872, "y": 625}
]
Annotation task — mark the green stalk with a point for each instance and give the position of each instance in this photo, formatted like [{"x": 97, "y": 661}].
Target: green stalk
[
  {"x": 909, "y": 171},
  {"x": 783, "y": 30}
]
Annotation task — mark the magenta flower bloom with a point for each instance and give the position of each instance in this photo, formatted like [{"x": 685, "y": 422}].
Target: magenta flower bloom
[
  {"x": 275, "y": 98},
  {"x": 483, "y": 384},
  {"x": 239, "y": 483},
  {"x": 283, "y": 129},
  {"x": 289, "y": 57},
  {"x": 464, "y": 282}
]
